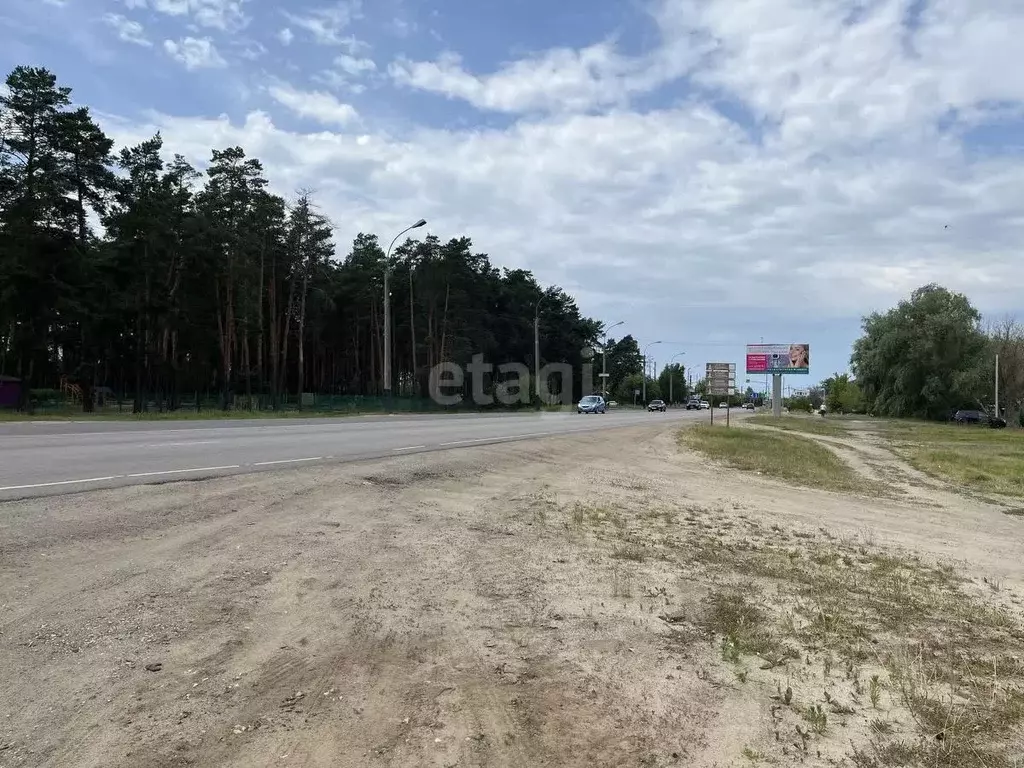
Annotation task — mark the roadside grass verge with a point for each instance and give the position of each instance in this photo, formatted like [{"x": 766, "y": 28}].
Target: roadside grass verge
[
  {"x": 787, "y": 457},
  {"x": 867, "y": 657},
  {"x": 886, "y": 637},
  {"x": 977, "y": 458},
  {"x": 814, "y": 425}
]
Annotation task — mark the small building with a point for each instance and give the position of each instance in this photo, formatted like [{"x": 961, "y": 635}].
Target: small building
[{"x": 10, "y": 391}]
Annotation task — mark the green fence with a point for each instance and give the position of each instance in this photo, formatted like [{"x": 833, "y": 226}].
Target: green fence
[{"x": 54, "y": 404}]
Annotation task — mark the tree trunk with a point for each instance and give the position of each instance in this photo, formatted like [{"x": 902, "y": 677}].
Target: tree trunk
[
  {"x": 414, "y": 383},
  {"x": 302, "y": 343},
  {"x": 247, "y": 367},
  {"x": 444, "y": 321},
  {"x": 275, "y": 350}
]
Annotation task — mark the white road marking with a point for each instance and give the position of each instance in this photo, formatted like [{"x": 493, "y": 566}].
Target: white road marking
[
  {"x": 60, "y": 482},
  {"x": 179, "y": 471},
  {"x": 498, "y": 437},
  {"x": 286, "y": 461},
  {"x": 410, "y": 448},
  {"x": 181, "y": 445},
  {"x": 465, "y": 442}
]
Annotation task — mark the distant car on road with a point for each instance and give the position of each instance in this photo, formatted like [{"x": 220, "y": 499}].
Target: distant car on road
[
  {"x": 705, "y": 405},
  {"x": 592, "y": 404},
  {"x": 748, "y": 406},
  {"x": 693, "y": 405},
  {"x": 656, "y": 405},
  {"x": 723, "y": 405}
]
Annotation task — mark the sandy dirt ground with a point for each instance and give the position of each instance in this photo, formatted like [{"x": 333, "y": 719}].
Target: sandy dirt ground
[{"x": 509, "y": 605}]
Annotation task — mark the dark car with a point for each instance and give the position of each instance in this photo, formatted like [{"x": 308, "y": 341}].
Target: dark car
[
  {"x": 656, "y": 405},
  {"x": 693, "y": 405},
  {"x": 970, "y": 417},
  {"x": 749, "y": 406},
  {"x": 979, "y": 417}
]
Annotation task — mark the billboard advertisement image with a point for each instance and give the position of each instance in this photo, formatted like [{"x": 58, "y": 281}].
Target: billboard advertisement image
[{"x": 778, "y": 358}]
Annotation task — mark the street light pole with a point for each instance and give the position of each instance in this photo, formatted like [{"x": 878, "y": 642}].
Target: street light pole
[
  {"x": 387, "y": 309},
  {"x": 604, "y": 358},
  {"x": 645, "y": 370}
]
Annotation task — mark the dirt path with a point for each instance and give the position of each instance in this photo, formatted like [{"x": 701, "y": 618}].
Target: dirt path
[{"x": 492, "y": 606}]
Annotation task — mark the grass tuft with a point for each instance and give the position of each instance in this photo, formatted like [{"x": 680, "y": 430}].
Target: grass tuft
[
  {"x": 973, "y": 457},
  {"x": 814, "y": 425},
  {"x": 782, "y": 456}
]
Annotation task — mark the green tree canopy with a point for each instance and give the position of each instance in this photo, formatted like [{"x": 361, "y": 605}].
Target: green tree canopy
[
  {"x": 923, "y": 358},
  {"x": 672, "y": 379},
  {"x": 842, "y": 394},
  {"x": 211, "y": 283}
]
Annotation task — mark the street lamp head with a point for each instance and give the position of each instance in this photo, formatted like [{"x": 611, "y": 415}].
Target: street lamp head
[{"x": 420, "y": 223}]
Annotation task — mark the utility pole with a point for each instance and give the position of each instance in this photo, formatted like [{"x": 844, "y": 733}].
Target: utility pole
[
  {"x": 997, "y": 386},
  {"x": 536, "y": 346},
  {"x": 644, "y": 377}
]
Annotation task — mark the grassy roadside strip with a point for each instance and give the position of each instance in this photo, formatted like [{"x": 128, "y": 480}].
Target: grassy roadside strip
[
  {"x": 814, "y": 425},
  {"x": 976, "y": 458},
  {"x": 902, "y": 657},
  {"x": 786, "y": 457},
  {"x": 858, "y": 656}
]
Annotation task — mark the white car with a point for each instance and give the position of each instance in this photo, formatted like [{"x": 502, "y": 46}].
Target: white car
[
  {"x": 723, "y": 405},
  {"x": 705, "y": 405}
]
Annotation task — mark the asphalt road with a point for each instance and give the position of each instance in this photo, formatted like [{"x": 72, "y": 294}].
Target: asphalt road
[{"x": 45, "y": 458}]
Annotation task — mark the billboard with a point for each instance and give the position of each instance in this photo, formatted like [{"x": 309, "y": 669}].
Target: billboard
[{"x": 778, "y": 358}]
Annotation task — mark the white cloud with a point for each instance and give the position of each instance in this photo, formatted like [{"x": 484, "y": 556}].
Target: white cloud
[
  {"x": 286, "y": 36},
  {"x": 195, "y": 53},
  {"x": 835, "y": 203},
  {"x": 354, "y": 65},
  {"x": 349, "y": 73},
  {"x": 252, "y": 49},
  {"x": 225, "y": 15},
  {"x": 327, "y": 24},
  {"x": 127, "y": 30},
  {"x": 560, "y": 79},
  {"x": 322, "y": 107}
]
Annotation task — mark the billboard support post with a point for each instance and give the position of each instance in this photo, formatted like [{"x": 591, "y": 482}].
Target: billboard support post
[{"x": 777, "y": 395}]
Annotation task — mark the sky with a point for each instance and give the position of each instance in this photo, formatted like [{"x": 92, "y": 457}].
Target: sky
[{"x": 710, "y": 173}]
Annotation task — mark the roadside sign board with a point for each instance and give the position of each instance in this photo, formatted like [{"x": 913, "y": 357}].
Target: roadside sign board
[{"x": 721, "y": 378}]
